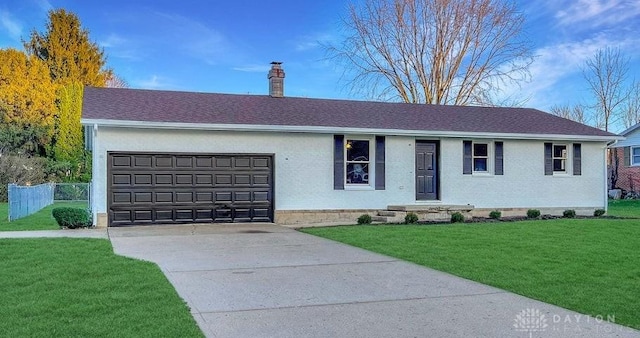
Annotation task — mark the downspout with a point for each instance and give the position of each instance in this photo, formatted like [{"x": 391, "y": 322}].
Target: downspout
[
  {"x": 94, "y": 160},
  {"x": 606, "y": 175}
]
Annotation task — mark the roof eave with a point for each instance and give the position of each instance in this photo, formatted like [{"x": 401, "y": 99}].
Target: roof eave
[{"x": 340, "y": 130}]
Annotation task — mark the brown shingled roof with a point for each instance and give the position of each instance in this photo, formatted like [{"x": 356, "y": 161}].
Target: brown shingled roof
[{"x": 205, "y": 108}]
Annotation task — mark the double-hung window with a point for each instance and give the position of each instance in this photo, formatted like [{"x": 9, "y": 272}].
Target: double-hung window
[
  {"x": 480, "y": 157},
  {"x": 559, "y": 158},
  {"x": 358, "y": 161},
  {"x": 635, "y": 156}
]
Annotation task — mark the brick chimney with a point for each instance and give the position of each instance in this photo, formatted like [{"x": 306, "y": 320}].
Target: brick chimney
[{"x": 276, "y": 80}]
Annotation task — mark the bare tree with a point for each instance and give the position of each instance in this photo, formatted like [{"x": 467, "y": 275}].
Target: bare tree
[
  {"x": 576, "y": 113},
  {"x": 114, "y": 81},
  {"x": 631, "y": 107},
  {"x": 434, "y": 51},
  {"x": 606, "y": 73}
]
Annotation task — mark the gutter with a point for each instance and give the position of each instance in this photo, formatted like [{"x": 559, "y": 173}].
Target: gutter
[{"x": 342, "y": 130}]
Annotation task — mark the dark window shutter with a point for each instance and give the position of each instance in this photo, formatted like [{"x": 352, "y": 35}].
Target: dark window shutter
[
  {"x": 379, "y": 172},
  {"x": 577, "y": 159},
  {"x": 499, "y": 166},
  {"x": 467, "y": 158},
  {"x": 338, "y": 162},
  {"x": 627, "y": 156},
  {"x": 548, "y": 159}
]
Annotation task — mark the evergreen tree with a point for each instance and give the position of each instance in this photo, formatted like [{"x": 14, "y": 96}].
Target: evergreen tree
[{"x": 66, "y": 49}]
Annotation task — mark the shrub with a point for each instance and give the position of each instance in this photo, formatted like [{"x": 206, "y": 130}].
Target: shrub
[
  {"x": 533, "y": 213},
  {"x": 411, "y": 218},
  {"x": 457, "y": 217},
  {"x": 569, "y": 213},
  {"x": 496, "y": 214},
  {"x": 598, "y": 212},
  {"x": 364, "y": 219},
  {"x": 71, "y": 217}
]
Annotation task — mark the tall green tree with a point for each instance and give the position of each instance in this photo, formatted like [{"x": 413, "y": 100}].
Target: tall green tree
[
  {"x": 68, "y": 52},
  {"x": 27, "y": 103},
  {"x": 68, "y": 145}
]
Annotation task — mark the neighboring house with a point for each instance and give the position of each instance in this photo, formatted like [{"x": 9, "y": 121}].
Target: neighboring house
[
  {"x": 180, "y": 157},
  {"x": 627, "y": 152}
]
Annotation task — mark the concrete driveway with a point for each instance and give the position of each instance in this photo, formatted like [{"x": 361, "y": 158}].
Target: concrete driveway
[{"x": 270, "y": 281}]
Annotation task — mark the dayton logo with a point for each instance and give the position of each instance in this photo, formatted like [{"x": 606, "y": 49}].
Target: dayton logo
[{"x": 530, "y": 320}]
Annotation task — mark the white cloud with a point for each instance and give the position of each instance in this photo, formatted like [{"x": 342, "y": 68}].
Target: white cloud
[
  {"x": 154, "y": 82},
  {"x": 196, "y": 38},
  {"x": 253, "y": 68},
  {"x": 44, "y": 5},
  {"x": 120, "y": 47},
  {"x": 596, "y": 13},
  {"x": 313, "y": 41},
  {"x": 11, "y": 25}
]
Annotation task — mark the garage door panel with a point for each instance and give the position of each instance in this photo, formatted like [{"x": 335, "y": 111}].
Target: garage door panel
[
  {"x": 121, "y": 161},
  {"x": 164, "y": 197},
  {"x": 164, "y": 179},
  {"x": 143, "y": 215},
  {"x": 164, "y": 161},
  {"x": 121, "y": 179},
  {"x": 242, "y": 180},
  {"x": 184, "y": 179},
  {"x": 164, "y": 215},
  {"x": 121, "y": 198},
  {"x": 142, "y": 197},
  {"x": 204, "y": 162},
  {"x": 142, "y": 179},
  {"x": 142, "y": 161},
  {"x": 204, "y": 179},
  {"x": 186, "y": 188},
  {"x": 223, "y": 162},
  {"x": 184, "y": 162},
  {"x": 184, "y": 197}
]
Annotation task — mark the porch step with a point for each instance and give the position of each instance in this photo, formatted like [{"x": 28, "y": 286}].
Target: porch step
[
  {"x": 381, "y": 219},
  {"x": 386, "y": 213},
  {"x": 431, "y": 208}
]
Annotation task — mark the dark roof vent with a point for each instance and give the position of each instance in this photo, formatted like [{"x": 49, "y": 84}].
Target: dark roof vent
[{"x": 276, "y": 80}]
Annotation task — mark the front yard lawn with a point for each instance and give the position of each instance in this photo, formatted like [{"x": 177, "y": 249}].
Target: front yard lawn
[
  {"x": 80, "y": 288},
  {"x": 587, "y": 265},
  {"x": 41, "y": 220},
  {"x": 624, "y": 208}
]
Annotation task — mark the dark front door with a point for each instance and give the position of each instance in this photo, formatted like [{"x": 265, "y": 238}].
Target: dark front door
[{"x": 426, "y": 170}]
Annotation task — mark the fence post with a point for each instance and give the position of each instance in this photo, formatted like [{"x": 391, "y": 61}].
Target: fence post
[{"x": 10, "y": 188}]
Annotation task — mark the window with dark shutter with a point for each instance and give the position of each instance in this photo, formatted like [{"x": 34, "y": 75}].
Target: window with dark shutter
[
  {"x": 380, "y": 167},
  {"x": 499, "y": 166},
  {"x": 338, "y": 162},
  {"x": 577, "y": 159},
  {"x": 467, "y": 158},
  {"x": 548, "y": 159},
  {"x": 627, "y": 156}
]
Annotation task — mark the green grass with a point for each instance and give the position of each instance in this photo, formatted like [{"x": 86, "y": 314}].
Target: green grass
[
  {"x": 80, "y": 288},
  {"x": 588, "y": 265},
  {"x": 624, "y": 208},
  {"x": 41, "y": 220}
]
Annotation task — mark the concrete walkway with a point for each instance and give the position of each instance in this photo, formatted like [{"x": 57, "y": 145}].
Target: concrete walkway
[
  {"x": 269, "y": 281},
  {"x": 72, "y": 233}
]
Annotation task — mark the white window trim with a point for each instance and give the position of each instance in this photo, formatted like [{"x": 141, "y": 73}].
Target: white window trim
[
  {"x": 490, "y": 158},
  {"x": 356, "y": 186},
  {"x": 632, "y": 161},
  {"x": 568, "y": 164}
]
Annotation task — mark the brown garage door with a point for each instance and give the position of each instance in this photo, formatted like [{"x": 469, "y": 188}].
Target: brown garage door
[{"x": 189, "y": 188}]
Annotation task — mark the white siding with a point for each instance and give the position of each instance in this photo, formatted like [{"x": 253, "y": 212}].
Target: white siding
[
  {"x": 304, "y": 170},
  {"x": 524, "y": 184}
]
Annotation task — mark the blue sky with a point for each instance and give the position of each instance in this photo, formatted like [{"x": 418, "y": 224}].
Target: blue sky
[{"x": 226, "y": 46}]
